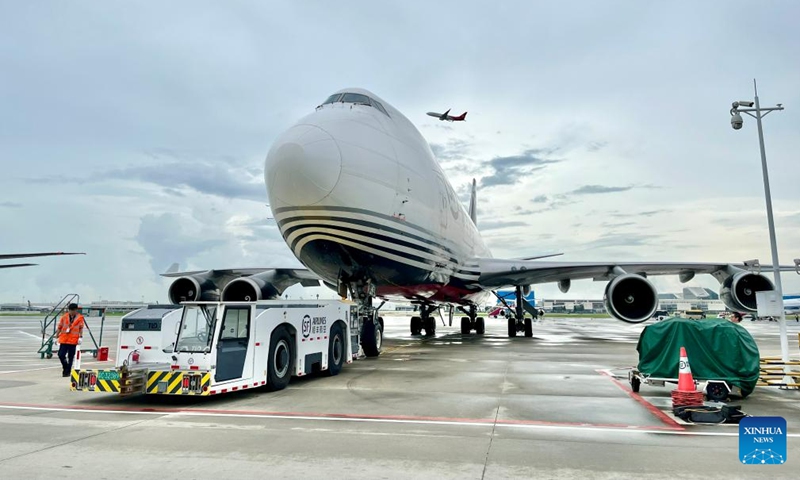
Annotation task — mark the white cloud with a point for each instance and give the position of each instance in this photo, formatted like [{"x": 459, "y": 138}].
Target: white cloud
[{"x": 99, "y": 103}]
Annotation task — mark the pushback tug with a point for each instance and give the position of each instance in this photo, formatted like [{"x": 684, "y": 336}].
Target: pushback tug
[{"x": 208, "y": 348}]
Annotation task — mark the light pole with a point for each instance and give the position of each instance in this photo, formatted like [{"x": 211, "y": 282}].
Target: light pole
[{"x": 736, "y": 122}]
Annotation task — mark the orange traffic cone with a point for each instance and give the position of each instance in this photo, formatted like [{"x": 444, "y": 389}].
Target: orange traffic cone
[
  {"x": 686, "y": 394},
  {"x": 685, "y": 379}
]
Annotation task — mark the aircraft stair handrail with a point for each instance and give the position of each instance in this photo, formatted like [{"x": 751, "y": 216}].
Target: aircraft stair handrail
[{"x": 46, "y": 349}]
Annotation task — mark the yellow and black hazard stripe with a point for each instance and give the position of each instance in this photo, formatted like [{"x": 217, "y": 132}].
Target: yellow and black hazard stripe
[
  {"x": 82, "y": 381},
  {"x": 172, "y": 383}
]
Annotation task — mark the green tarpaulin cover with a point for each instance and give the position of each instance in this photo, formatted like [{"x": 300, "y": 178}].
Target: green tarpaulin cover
[{"x": 717, "y": 350}]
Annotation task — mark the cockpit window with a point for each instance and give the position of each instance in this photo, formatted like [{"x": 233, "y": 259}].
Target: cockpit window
[
  {"x": 378, "y": 105},
  {"x": 355, "y": 98},
  {"x": 332, "y": 99}
]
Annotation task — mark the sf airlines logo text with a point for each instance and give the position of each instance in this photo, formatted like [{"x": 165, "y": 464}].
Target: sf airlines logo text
[{"x": 314, "y": 325}]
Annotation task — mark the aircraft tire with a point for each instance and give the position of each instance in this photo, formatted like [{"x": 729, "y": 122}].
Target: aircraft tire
[
  {"x": 336, "y": 350},
  {"x": 466, "y": 325},
  {"x": 480, "y": 325},
  {"x": 528, "y": 327},
  {"x": 416, "y": 325},
  {"x": 512, "y": 327},
  {"x": 429, "y": 324},
  {"x": 371, "y": 338},
  {"x": 281, "y": 359}
]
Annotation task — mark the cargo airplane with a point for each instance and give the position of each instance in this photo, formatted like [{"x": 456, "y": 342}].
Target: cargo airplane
[{"x": 362, "y": 203}]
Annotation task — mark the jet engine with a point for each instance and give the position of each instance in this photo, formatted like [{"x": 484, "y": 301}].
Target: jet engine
[
  {"x": 193, "y": 288},
  {"x": 631, "y": 298},
  {"x": 738, "y": 291},
  {"x": 261, "y": 286}
]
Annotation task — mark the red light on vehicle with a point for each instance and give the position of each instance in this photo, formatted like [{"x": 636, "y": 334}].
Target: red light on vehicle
[
  {"x": 205, "y": 389},
  {"x": 185, "y": 382},
  {"x": 93, "y": 380},
  {"x": 74, "y": 385}
]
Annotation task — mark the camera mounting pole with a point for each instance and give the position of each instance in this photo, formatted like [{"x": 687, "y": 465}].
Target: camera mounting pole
[{"x": 776, "y": 269}]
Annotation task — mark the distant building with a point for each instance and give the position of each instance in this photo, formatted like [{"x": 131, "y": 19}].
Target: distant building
[{"x": 692, "y": 298}]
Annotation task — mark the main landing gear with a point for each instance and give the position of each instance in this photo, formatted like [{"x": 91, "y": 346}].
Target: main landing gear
[
  {"x": 517, "y": 321},
  {"x": 472, "y": 322},
  {"x": 425, "y": 322}
]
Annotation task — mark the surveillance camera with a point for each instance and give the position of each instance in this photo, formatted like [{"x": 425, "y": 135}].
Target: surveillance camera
[
  {"x": 745, "y": 103},
  {"x": 736, "y": 121}
]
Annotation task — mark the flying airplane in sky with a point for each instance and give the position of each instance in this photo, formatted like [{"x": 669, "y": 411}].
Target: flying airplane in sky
[
  {"x": 446, "y": 116},
  {"x": 361, "y": 201},
  {"x": 9, "y": 256}
]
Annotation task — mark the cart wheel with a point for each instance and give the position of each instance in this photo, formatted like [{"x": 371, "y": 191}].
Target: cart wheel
[
  {"x": 635, "y": 384},
  {"x": 94, "y": 354},
  {"x": 49, "y": 356},
  {"x": 716, "y": 392}
]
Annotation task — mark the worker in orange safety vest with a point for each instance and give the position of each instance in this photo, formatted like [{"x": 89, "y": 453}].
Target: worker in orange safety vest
[{"x": 70, "y": 331}]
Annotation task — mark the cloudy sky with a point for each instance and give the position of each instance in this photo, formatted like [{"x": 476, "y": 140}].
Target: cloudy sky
[{"x": 599, "y": 129}]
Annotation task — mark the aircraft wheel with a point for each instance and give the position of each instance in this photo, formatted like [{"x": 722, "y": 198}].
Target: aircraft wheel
[
  {"x": 429, "y": 325},
  {"x": 480, "y": 325},
  {"x": 416, "y": 325},
  {"x": 380, "y": 322},
  {"x": 280, "y": 360},
  {"x": 512, "y": 327},
  {"x": 466, "y": 325},
  {"x": 336, "y": 348},
  {"x": 371, "y": 338},
  {"x": 528, "y": 327}
]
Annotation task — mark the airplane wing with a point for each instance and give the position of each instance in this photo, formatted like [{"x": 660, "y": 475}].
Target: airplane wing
[
  {"x": 15, "y": 265},
  {"x": 496, "y": 273},
  {"x": 8, "y": 256}
]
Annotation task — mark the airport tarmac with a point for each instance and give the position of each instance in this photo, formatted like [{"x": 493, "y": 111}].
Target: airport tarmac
[{"x": 448, "y": 406}]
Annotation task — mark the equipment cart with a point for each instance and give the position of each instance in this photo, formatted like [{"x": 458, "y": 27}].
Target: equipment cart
[{"x": 723, "y": 356}]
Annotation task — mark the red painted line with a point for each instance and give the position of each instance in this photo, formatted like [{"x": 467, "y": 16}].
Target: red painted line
[
  {"x": 649, "y": 406},
  {"x": 258, "y": 344},
  {"x": 148, "y": 347},
  {"x": 342, "y": 416},
  {"x": 234, "y": 389},
  {"x": 124, "y": 347}
]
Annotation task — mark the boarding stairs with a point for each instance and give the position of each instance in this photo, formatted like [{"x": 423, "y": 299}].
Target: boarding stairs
[{"x": 49, "y": 327}]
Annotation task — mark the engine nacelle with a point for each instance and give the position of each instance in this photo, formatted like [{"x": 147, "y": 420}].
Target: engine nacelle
[
  {"x": 193, "y": 288},
  {"x": 250, "y": 289},
  {"x": 738, "y": 291},
  {"x": 631, "y": 298}
]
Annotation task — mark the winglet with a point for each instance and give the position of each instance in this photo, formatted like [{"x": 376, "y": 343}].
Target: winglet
[
  {"x": 473, "y": 203},
  {"x": 173, "y": 268}
]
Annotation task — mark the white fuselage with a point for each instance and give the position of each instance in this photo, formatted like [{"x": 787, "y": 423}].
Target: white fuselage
[{"x": 358, "y": 195}]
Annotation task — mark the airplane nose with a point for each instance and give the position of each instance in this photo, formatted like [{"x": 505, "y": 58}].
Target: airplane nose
[{"x": 303, "y": 166}]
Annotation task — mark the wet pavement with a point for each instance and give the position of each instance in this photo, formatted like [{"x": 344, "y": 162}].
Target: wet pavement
[{"x": 448, "y": 406}]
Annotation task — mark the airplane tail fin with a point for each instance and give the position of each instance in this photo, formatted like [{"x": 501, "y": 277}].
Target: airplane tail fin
[
  {"x": 473, "y": 202},
  {"x": 461, "y": 117}
]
